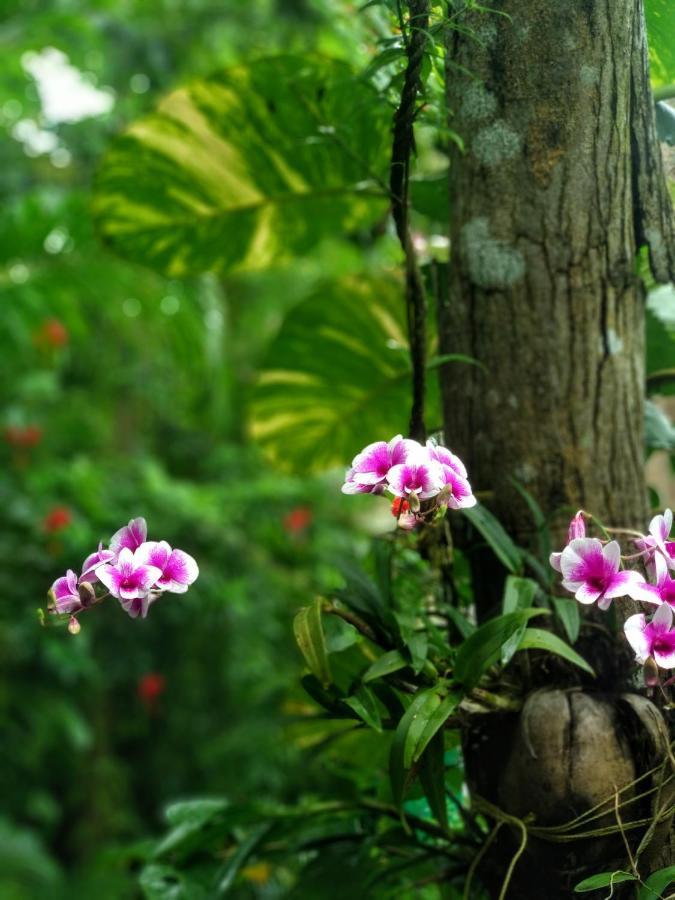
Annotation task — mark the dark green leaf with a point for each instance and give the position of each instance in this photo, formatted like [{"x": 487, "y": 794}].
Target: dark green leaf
[
  {"x": 426, "y": 714},
  {"x": 432, "y": 778},
  {"x": 230, "y": 870},
  {"x": 538, "y": 639},
  {"x": 366, "y": 707},
  {"x": 389, "y": 662},
  {"x": 493, "y": 532},
  {"x": 309, "y": 635},
  {"x": 484, "y": 647},
  {"x": 252, "y": 165},
  {"x": 567, "y": 611}
]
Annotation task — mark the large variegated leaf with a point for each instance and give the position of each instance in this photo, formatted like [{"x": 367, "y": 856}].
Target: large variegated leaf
[
  {"x": 247, "y": 167},
  {"x": 661, "y": 33},
  {"x": 337, "y": 376}
]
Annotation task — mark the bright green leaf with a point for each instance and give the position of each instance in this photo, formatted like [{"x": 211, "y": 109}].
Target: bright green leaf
[
  {"x": 660, "y": 15},
  {"x": 309, "y": 635},
  {"x": 656, "y": 884},
  {"x": 252, "y": 165},
  {"x": 604, "y": 879}
]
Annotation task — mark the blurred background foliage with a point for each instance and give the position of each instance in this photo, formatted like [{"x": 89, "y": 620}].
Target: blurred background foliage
[{"x": 128, "y": 391}]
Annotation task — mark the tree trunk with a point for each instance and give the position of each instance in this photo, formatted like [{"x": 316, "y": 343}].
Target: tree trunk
[{"x": 559, "y": 185}]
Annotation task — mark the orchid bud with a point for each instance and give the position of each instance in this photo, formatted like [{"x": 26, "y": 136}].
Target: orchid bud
[
  {"x": 650, "y": 672},
  {"x": 577, "y": 527},
  {"x": 86, "y": 593},
  {"x": 73, "y": 625},
  {"x": 414, "y": 501},
  {"x": 444, "y": 495},
  {"x": 407, "y": 521}
]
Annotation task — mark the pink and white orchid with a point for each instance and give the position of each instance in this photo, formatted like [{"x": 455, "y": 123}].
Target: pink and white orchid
[
  {"x": 664, "y": 589},
  {"x": 371, "y": 465},
  {"x": 130, "y": 580},
  {"x": 65, "y": 595},
  {"x": 95, "y": 561},
  {"x": 591, "y": 572},
  {"x": 657, "y": 540},
  {"x": 456, "y": 492},
  {"x": 654, "y": 639},
  {"x": 132, "y": 536},
  {"x": 419, "y": 477},
  {"x": 178, "y": 569}
]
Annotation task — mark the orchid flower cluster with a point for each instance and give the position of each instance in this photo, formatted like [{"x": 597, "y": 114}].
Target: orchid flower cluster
[
  {"x": 132, "y": 569},
  {"x": 592, "y": 570},
  {"x": 420, "y": 479}
]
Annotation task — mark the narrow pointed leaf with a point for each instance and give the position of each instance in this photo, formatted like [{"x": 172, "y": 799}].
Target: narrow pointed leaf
[
  {"x": 483, "y": 648},
  {"x": 538, "y": 639},
  {"x": 387, "y": 664},
  {"x": 567, "y": 611},
  {"x": 432, "y": 778},
  {"x": 519, "y": 593},
  {"x": 657, "y": 883},
  {"x": 499, "y": 541},
  {"x": 309, "y": 635},
  {"x": 602, "y": 880}
]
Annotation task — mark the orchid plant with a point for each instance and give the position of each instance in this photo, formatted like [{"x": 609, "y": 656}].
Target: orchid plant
[
  {"x": 132, "y": 569},
  {"x": 594, "y": 571},
  {"x": 422, "y": 480}
]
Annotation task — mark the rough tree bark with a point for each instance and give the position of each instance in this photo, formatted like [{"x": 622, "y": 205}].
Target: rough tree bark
[{"x": 559, "y": 186}]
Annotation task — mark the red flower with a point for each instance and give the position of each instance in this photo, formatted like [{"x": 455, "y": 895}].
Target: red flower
[
  {"x": 297, "y": 520},
  {"x": 51, "y": 333},
  {"x": 23, "y": 436},
  {"x": 57, "y": 519},
  {"x": 149, "y": 687},
  {"x": 399, "y": 506}
]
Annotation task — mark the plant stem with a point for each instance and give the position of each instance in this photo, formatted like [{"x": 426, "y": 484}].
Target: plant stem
[{"x": 402, "y": 147}]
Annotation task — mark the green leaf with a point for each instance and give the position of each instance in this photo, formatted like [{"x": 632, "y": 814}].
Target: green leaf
[
  {"x": 518, "y": 594},
  {"x": 604, "y": 879},
  {"x": 432, "y": 778},
  {"x": 365, "y": 705},
  {"x": 660, "y": 15},
  {"x": 538, "y": 639},
  {"x": 424, "y": 717},
  {"x": 665, "y": 123},
  {"x": 227, "y": 874},
  {"x": 336, "y": 377},
  {"x": 387, "y": 664},
  {"x": 567, "y": 611},
  {"x": 656, "y": 884},
  {"x": 484, "y": 647},
  {"x": 252, "y": 165},
  {"x": 493, "y": 532},
  {"x": 309, "y": 635}
]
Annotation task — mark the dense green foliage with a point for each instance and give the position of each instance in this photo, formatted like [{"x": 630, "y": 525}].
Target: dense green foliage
[{"x": 246, "y": 335}]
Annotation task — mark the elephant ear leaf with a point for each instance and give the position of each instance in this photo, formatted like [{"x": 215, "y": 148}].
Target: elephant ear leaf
[
  {"x": 250, "y": 166},
  {"x": 336, "y": 377}
]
